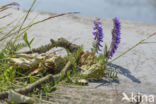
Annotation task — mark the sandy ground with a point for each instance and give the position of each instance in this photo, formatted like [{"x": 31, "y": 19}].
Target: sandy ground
[{"x": 137, "y": 68}]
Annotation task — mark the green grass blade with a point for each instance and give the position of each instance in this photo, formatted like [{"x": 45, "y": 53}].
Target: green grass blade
[
  {"x": 27, "y": 14},
  {"x": 140, "y": 42}
]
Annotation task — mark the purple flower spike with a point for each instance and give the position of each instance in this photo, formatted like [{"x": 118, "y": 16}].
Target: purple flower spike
[
  {"x": 98, "y": 35},
  {"x": 115, "y": 38}
]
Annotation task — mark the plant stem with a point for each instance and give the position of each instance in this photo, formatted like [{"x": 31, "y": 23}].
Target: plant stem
[
  {"x": 148, "y": 42},
  {"x": 140, "y": 42},
  {"x": 27, "y": 14}
]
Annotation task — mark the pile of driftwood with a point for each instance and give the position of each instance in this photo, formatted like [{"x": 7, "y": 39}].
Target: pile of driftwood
[{"x": 53, "y": 66}]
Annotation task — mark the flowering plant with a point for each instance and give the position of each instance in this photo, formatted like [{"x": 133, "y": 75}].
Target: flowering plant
[
  {"x": 115, "y": 38},
  {"x": 98, "y": 37}
]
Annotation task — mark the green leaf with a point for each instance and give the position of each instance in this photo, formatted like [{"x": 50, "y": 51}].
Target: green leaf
[
  {"x": 32, "y": 40},
  {"x": 31, "y": 78},
  {"x": 77, "y": 53},
  {"x": 25, "y": 38}
]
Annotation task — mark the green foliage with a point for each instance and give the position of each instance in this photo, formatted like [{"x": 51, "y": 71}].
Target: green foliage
[
  {"x": 12, "y": 48},
  {"x": 13, "y": 43},
  {"x": 25, "y": 38},
  {"x": 108, "y": 73},
  {"x": 47, "y": 87},
  {"x": 74, "y": 57},
  {"x": 94, "y": 47},
  {"x": 102, "y": 56},
  {"x": 9, "y": 75},
  {"x": 112, "y": 74},
  {"x": 31, "y": 78},
  {"x": 69, "y": 77}
]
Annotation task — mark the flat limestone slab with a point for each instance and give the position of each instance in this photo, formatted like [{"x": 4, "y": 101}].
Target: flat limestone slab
[
  {"x": 89, "y": 95},
  {"x": 137, "y": 68}
]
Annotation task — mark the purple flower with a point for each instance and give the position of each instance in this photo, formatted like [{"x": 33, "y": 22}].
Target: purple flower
[
  {"x": 115, "y": 38},
  {"x": 98, "y": 35}
]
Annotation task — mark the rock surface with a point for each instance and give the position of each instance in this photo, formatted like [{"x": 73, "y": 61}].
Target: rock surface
[{"x": 137, "y": 68}]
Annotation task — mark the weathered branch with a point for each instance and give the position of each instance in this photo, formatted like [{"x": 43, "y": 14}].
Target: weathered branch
[
  {"x": 63, "y": 73},
  {"x": 66, "y": 68},
  {"x": 30, "y": 87},
  {"x": 61, "y": 42},
  {"x": 17, "y": 98}
]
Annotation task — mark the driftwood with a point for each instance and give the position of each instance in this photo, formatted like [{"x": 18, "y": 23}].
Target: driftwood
[
  {"x": 17, "y": 98},
  {"x": 28, "y": 88},
  {"x": 63, "y": 73},
  {"x": 85, "y": 58},
  {"x": 61, "y": 42},
  {"x": 36, "y": 84}
]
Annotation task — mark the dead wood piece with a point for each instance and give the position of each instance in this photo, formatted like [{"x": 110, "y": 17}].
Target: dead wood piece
[
  {"x": 24, "y": 63},
  {"x": 66, "y": 68},
  {"x": 63, "y": 73},
  {"x": 54, "y": 63},
  {"x": 17, "y": 98},
  {"x": 86, "y": 58},
  {"x": 61, "y": 42},
  {"x": 30, "y": 87}
]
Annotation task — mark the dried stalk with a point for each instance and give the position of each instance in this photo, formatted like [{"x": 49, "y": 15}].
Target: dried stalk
[
  {"x": 10, "y": 4},
  {"x": 5, "y": 15},
  {"x": 1, "y": 10}
]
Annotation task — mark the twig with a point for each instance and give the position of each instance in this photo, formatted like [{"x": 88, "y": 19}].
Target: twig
[
  {"x": 29, "y": 87},
  {"x": 63, "y": 73},
  {"x": 66, "y": 68}
]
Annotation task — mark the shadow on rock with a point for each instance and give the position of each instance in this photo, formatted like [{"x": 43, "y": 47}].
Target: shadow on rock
[
  {"x": 105, "y": 82},
  {"x": 124, "y": 72}
]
